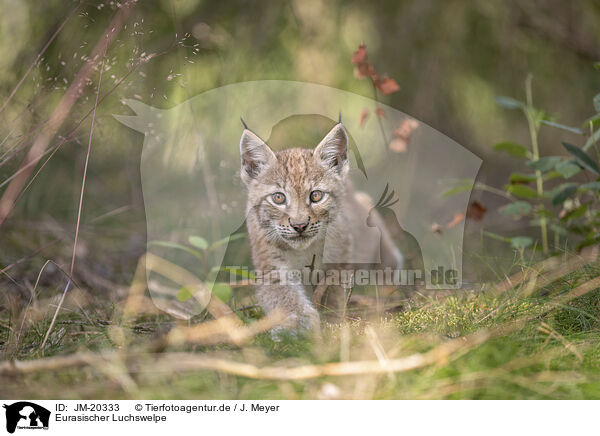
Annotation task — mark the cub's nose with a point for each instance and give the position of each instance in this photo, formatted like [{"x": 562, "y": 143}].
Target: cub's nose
[{"x": 300, "y": 227}]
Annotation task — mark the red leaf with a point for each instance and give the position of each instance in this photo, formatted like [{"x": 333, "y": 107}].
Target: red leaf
[
  {"x": 380, "y": 112},
  {"x": 386, "y": 85},
  {"x": 362, "y": 67},
  {"x": 402, "y": 135},
  {"x": 360, "y": 55},
  {"x": 372, "y": 73},
  {"x": 364, "y": 114},
  {"x": 458, "y": 217},
  {"x": 364, "y": 70},
  {"x": 476, "y": 211},
  {"x": 406, "y": 128},
  {"x": 398, "y": 145}
]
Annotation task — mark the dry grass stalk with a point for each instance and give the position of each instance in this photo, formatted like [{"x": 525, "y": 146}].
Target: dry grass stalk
[
  {"x": 223, "y": 330},
  {"x": 549, "y": 270},
  {"x": 85, "y": 168},
  {"x": 552, "y": 333},
  {"x": 61, "y": 112},
  {"x": 151, "y": 262}
]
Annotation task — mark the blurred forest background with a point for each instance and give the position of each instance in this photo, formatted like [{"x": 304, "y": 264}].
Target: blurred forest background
[{"x": 449, "y": 58}]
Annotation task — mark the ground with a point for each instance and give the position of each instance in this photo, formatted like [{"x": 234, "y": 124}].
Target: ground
[{"x": 481, "y": 344}]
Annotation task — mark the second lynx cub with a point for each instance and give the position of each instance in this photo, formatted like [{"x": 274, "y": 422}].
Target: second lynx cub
[{"x": 296, "y": 198}]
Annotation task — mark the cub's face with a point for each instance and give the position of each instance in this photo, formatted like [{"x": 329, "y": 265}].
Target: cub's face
[{"x": 296, "y": 192}]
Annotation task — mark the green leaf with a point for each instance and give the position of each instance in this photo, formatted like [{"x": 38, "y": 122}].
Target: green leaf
[
  {"x": 512, "y": 148},
  {"x": 567, "y": 169},
  {"x": 198, "y": 242},
  {"x": 455, "y": 190},
  {"x": 591, "y": 185},
  {"x": 518, "y": 208},
  {"x": 222, "y": 291},
  {"x": 544, "y": 163},
  {"x": 521, "y": 178},
  {"x": 226, "y": 240},
  {"x": 562, "y": 192},
  {"x": 589, "y": 240},
  {"x": 592, "y": 140},
  {"x": 540, "y": 116},
  {"x": 521, "y": 242},
  {"x": 575, "y": 130},
  {"x": 541, "y": 212},
  {"x": 509, "y": 103},
  {"x": 597, "y": 102},
  {"x": 178, "y": 247},
  {"x": 552, "y": 175},
  {"x": 184, "y": 294},
  {"x": 578, "y": 212},
  {"x": 582, "y": 157},
  {"x": 464, "y": 187},
  {"x": 594, "y": 120},
  {"x": 240, "y": 272},
  {"x": 496, "y": 236},
  {"x": 579, "y": 229},
  {"x": 521, "y": 191}
]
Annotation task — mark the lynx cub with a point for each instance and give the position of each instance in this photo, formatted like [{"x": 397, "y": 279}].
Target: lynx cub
[{"x": 297, "y": 197}]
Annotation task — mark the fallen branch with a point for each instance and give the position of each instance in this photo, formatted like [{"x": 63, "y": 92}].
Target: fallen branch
[{"x": 170, "y": 362}]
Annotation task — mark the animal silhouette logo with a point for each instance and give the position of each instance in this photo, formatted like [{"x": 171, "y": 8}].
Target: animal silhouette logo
[
  {"x": 26, "y": 415},
  {"x": 403, "y": 240},
  {"x": 192, "y": 187}
]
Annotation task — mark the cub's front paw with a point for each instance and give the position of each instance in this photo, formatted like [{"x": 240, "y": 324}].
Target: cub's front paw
[
  {"x": 309, "y": 319},
  {"x": 297, "y": 324}
]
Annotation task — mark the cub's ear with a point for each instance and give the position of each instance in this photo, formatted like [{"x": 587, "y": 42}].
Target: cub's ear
[
  {"x": 332, "y": 151},
  {"x": 256, "y": 155}
]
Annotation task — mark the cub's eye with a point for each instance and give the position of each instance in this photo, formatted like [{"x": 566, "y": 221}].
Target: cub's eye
[
  {"x": 316, "y": 196},
  {"x": 278, "y": 198}
]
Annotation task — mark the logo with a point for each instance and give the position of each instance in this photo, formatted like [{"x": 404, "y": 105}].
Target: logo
[
  {"x": 26, "y": 415},
  {"x": 198, "y": 161}
]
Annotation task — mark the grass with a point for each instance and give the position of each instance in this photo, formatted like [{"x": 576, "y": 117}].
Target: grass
[{"x": 533, "y": 350}]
